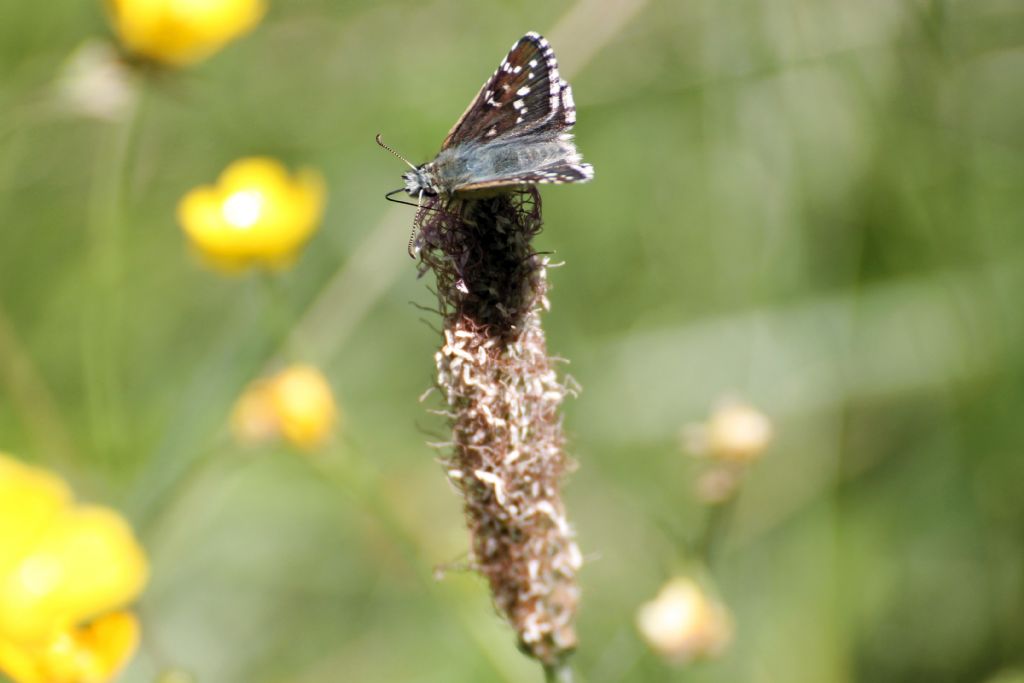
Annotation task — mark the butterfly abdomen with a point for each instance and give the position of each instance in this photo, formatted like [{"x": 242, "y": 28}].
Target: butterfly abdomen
[{"x": 474, "y": 164}]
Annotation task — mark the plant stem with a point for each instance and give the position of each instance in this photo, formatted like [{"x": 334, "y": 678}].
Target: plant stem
[
  {"x": 280, "y": 319},
  {"x": 32, "y": 397},
  {"x": 105, "y": 312},
  {"x": 716, "y": 524},
  {"x": 558, "y": 673}
]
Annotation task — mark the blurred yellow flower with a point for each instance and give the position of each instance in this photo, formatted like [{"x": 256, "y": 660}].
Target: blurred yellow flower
[
  {"x": 256, "y": 214},
  {"x": 181, "y": 32},
  {"x": 736, "y": 432},
  {"x": 93, "y": 653},
  {"x": 64, "y": 570},
  {"x": 683, "y": 623},
  {"x": 296, "y": 404}
]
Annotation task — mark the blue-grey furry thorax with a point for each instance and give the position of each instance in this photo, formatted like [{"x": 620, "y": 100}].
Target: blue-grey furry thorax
[{"x": 476, "y": 163}]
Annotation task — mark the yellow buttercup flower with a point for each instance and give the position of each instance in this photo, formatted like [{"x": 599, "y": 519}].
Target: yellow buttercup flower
[
  {"x": 65, "y": 572},
  {"x": 254, "y": 418},
  {"x": 93, "y": 653},
  {"x": 304, "y": 405},
  {"x": 296, "y": 404},
  {"x": 181, "y": 32},
  {"x": 256, "y": 214},
  {"x": 683, "y": 623}
]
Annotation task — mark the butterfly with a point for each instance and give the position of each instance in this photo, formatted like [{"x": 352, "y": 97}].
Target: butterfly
[{"x": 515, "y": 132}]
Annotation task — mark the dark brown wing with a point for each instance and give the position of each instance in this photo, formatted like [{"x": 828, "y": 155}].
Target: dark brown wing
[{"x": 525, "y": 93}]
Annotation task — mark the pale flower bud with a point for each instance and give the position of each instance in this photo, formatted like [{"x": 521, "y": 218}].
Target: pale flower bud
[
  {"x": 95, "y": 82},
  {"x": 736, "y": 432},
  {"x": 683, "y": 623}
]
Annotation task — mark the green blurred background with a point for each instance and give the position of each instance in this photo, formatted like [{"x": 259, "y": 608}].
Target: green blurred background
[{"x": 817, "y": 205}]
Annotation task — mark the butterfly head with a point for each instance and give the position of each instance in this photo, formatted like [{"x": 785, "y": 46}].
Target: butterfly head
[{"x": 420, "y": 181}]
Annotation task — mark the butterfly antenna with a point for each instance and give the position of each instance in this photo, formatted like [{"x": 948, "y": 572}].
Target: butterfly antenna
[
  {"x": 415, "y": 228},
  {"x": 381, "y": 143}
]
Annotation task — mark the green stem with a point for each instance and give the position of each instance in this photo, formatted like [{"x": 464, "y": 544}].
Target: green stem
[
  {"x": 149, "y": 528},
  {"x": 558, "y": 673},
  {"x": 101, "y": 340},
  {"x": 716, "y": 524},
  {"x": 355, "y": 475},
  {"x": 279, "y": 317},
  {"x": 32, "y": 397}
]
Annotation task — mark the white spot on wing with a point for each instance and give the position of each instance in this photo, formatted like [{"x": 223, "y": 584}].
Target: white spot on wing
[{"x": 567, "y": 100}]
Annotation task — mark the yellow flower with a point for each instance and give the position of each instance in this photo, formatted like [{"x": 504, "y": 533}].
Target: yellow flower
[
  {"x": 64, "y": 570},
  {"x": 93, "y": 653},
  {"x": 296, "y": 404},
  {"x": 736, "y": 432},
  {"x": 256, "y": 214},
  {"x": 181, "y": 32},
  {"x": 683, "y": 623}
]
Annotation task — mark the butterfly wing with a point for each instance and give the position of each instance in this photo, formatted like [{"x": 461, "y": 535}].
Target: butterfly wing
[
  {"x": 524, "y": 94},
  {"x": 554, "y": 174}
]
